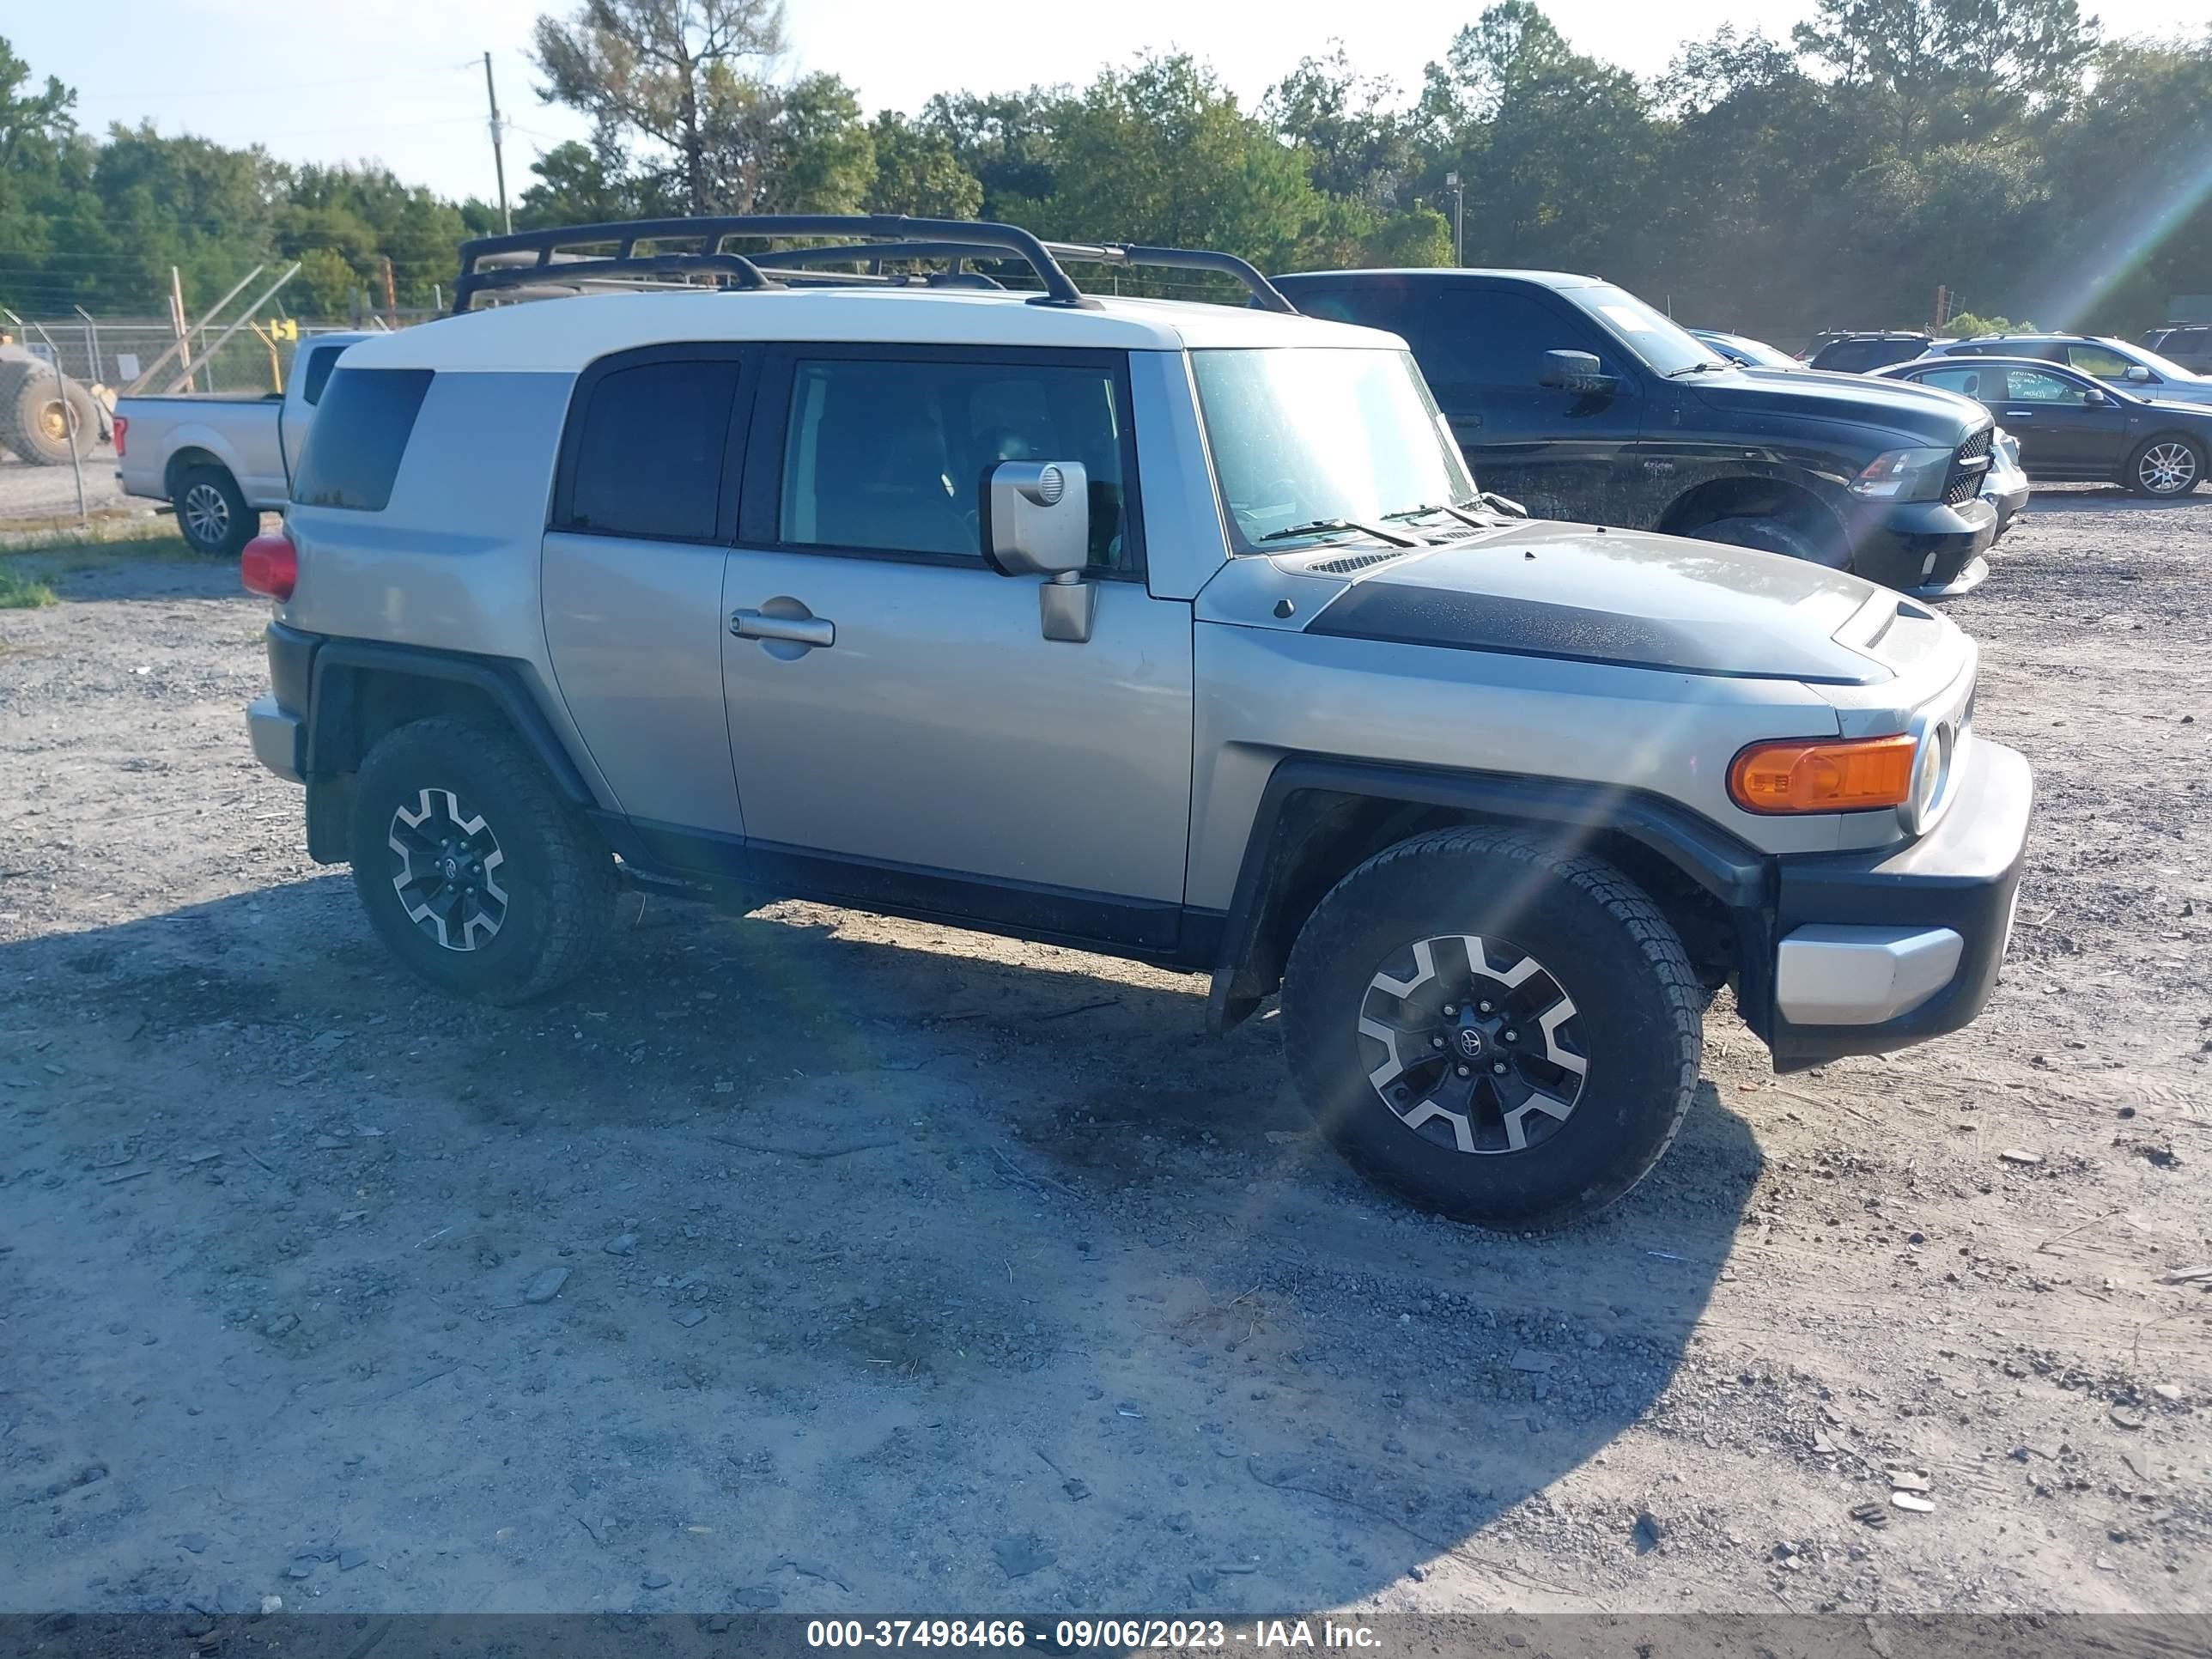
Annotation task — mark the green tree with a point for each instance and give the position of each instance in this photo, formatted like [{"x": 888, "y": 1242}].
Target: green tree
[
  {"x": 1354, "y": 143},
  {"x": 1555, "y": 151},
  {"x": 677, "y": 83},
  {"x": 581, "y": 184},
  {"x": 1008, "y": 141},
  {"x": 918, "y": 173},
  {"x": 1942, "y": 69},
  {"x": 1160, "y": 153}
]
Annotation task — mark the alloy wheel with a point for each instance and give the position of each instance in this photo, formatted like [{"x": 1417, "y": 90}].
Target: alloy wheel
[
  {"x": 447, "y": 871},
  {"x": 2167, "y": 469},
  {"x": 207, "y": 515},
  {"x": 1473, "y": 1044}
]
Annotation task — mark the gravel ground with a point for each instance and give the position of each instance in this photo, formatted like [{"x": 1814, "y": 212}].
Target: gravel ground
[
  {"x": 816, "y": 1260},
  {"x": 41, "y": 492}
]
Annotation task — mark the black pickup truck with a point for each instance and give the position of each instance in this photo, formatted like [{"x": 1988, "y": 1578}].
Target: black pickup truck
[{"x": 1581, "y": 402}]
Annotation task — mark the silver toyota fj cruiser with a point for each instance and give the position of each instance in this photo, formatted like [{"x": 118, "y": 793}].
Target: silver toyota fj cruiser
[{"x": 1177, "y": 631}]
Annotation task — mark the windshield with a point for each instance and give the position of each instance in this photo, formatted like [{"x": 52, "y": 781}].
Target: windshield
[
  {"x": 1661, "y": 342},
  {"x": 1764, "y": 355},
  {"x": 1304, "y": 440}
]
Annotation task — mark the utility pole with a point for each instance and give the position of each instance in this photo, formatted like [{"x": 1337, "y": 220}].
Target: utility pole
[
  {"x": 498, "y": 161},
  {"x": 1459, "y": 218},
  {"x": 391, "y": 299}
]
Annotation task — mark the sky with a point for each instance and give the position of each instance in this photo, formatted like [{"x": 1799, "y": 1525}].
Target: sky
[{"x": 401, "y": 82}]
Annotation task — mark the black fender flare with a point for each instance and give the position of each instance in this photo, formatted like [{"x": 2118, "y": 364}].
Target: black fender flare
[
  {"x": 334, "y": 741},
  {"x": 1738, "y": 875}
]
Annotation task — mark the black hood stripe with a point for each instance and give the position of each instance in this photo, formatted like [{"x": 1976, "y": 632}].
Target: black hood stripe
[{"x": 1402, "y": 613}]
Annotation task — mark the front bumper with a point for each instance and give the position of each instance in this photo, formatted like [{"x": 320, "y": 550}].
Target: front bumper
[
  {"x": 1878, "y": 950},
  {"x": 1917, "y": 545}
]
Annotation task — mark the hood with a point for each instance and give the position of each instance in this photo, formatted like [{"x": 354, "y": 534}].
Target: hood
[
  {"x": 1582, "y": 593},
  {"x": 1862, "y": 400}
]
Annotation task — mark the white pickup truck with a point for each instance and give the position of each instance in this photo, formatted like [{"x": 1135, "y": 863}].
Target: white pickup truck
[{"x": 220, "y": 461}]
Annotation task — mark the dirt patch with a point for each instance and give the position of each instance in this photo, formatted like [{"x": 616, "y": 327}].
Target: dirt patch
[{"x": 971, "y": 1273}]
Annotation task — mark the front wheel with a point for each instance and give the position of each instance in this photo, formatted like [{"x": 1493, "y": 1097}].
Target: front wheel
[
  {"x": 1501, "y": 1032},
  {"x": 474, "y": 871},
  {"x": 2166, "y": 466},
  {"x": 1772, "y": 535}
]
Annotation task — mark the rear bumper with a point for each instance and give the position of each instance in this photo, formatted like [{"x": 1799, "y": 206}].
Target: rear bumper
[
  {"x": 1923, "y": 545},
  {"x": 278, "y": 736},
  {"x": 1879, "y": 950}
]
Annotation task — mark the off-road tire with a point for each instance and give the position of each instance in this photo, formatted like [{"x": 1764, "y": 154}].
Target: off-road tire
[
  {"x": 31, "y": 408},
  {"x": 2142, "y": 475},
  {"x": 1638, "y": 1020},
  {"x": 1771, "y": 535},
  {"x": 557, "y": 878},
  {"x": 212, "y": 515}
]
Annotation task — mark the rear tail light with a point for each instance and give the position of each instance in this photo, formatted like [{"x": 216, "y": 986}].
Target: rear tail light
[
  {"x": 269, "y": 565},
  {"x": 121, "y": 426},
  {"x": 1851, "y": 776}
]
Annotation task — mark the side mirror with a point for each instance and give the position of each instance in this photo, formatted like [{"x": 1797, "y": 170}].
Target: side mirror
[
  {"x": 1574, "y": 371},
  {"x": 2138, "y": 374},
  {"x": 2094, "y": 399},
  {"x": 1037, "y": 522}
]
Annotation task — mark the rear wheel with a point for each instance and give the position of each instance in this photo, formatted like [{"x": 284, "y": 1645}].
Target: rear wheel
[
  {"x": 212, "y": 515},
  {"x": 2166, "y": 466},
  {"x": 480, "y": 878},
  {"x": 1501, "y": 1032}
]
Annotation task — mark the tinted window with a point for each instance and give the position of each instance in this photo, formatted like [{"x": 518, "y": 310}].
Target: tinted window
[
  {"x": 1968, "y": 381},
  {"x": 353, "y": 448},
  {"x": 1847, "y": 357},
  {"x": 320, "y": 361},
  {"x": 1494, "y": 337},
  {"x": 648, "y": 456},
  {"x": 892, "y": 456},
  {"x": 2030, "y": 386}
]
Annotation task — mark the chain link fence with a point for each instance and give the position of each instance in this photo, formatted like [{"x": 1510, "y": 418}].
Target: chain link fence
[{"x": 113, "y": 351}]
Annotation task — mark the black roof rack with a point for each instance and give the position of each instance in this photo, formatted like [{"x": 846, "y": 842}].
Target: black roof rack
[{"x": 488, "y": 262}]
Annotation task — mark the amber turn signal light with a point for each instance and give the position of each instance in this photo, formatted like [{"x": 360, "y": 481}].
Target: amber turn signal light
[{"x": 1851, "y": 774}]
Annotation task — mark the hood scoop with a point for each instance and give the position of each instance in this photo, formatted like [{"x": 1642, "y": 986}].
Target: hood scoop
[{"x": 1343, "y": 564}]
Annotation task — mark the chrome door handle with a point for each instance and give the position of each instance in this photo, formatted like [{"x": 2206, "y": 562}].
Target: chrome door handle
[
  {"x": 796, "y": 630},
  {"x": 2019, "y": 414}
]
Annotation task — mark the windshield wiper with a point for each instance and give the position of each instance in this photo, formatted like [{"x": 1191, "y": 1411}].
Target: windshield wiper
[
  {"x": 1708, "y": 366},
  {"x": 1388, "y": 536}
]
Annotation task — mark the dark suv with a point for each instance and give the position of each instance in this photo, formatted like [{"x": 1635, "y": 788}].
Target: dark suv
[
  {"x": 2189, "y": 344},
  {"x": 1863, "y": 354},
  {"x": 1577, "y": 400}
]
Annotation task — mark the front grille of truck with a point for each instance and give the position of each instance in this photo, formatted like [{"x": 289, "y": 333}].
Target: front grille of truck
[{"x": 1968, "y": 468}]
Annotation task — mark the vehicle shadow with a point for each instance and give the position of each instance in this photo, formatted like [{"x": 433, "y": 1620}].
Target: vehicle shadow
[
  {"x": 2106, "y": 498},
  {"x": 127, "y": 570},
  {"x": 1020, "y": 1288}
]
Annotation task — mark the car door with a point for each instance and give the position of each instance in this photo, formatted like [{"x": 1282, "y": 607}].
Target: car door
[
  {"x": 644, "y": 510},
  {"x": 2062, "y": 434},
  {"x": 1563, "y": 454},
  {"x": 903, "y": 734}
]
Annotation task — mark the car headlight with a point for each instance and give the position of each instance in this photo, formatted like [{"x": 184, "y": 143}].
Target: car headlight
[{"x": 1904, "y": 475}]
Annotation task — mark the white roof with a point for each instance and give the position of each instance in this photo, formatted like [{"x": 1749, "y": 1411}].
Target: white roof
[{"x": 563, "y": 335}]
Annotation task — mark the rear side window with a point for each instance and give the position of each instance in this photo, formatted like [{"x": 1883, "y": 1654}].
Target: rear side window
[
  {"x": 320, "y": 361},
  {"x": 360, "y": 434},
  {"x": 649, "y": 456}
]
